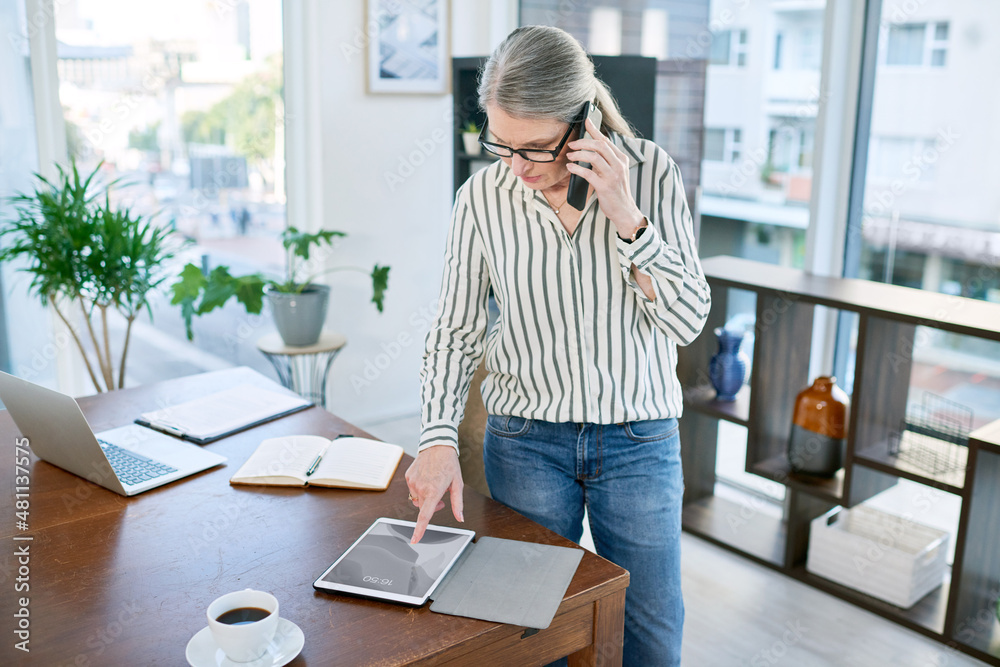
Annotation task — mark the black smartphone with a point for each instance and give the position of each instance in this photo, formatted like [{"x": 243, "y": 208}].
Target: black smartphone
[{"x": 577, "y": 195}]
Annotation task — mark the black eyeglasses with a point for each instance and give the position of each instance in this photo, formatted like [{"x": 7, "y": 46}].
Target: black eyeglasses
[{"x": 529, "y": 154}]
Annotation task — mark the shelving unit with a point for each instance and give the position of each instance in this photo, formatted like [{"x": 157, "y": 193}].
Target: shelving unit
[
  {"x": 974, "y": 622},
  {"x": 958, "y": 613},
  {"x": 464, "y": 78}
]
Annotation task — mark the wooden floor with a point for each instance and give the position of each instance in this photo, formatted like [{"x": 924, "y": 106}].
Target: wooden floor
[{"x": 740, "y": 614}]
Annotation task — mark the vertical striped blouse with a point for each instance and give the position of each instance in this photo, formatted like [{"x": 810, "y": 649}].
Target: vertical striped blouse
[{"x": 576, "y": 339}]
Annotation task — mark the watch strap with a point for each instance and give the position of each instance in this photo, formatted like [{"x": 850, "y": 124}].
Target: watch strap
[{"x": 637, "y": 233}]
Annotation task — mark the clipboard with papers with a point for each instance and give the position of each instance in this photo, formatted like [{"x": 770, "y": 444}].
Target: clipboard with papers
[{"x": 223, "y": 413}]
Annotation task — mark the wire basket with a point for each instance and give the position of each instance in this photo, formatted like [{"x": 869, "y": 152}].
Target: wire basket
[{"x": 934, "y": 436}]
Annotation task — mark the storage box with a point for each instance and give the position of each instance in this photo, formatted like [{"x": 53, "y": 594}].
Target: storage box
[{"x": 883, "y": 555}]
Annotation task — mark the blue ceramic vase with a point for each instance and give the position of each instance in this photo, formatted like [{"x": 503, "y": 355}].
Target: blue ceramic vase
[{"x": 728, "y": 368}]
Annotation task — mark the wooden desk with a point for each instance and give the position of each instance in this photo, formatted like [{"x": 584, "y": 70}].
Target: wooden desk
[{"x": 125, "y": 581}]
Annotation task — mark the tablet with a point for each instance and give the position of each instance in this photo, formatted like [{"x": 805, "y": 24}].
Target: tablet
[{"x": 383, "y": 564}]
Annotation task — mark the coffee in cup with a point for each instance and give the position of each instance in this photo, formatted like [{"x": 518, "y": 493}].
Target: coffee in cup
[{"x": 243, "y": 623}]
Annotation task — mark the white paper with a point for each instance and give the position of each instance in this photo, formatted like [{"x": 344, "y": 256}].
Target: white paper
[
  {"x": 370, "y": 465},
  {"x": 223, "y": 412}
]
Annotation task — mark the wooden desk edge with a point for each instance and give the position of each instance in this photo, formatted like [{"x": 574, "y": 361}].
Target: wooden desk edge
[{"x": 607, "y": 634}]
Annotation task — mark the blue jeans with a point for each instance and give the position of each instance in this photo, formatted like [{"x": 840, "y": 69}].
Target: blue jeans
[{"x": 629, "y": 479}]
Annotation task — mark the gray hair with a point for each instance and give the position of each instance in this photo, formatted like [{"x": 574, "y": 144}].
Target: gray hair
[{"x": 543, "y": 72}]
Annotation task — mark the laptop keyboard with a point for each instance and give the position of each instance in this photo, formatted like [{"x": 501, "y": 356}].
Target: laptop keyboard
[{"x": 133, "y": 468}]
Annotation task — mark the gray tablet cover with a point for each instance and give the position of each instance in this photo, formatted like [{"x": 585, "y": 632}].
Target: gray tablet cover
[{"x": 506, "y": 581}]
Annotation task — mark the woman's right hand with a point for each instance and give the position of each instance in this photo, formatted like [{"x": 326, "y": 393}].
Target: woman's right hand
[{"x": 434, "y": 471}]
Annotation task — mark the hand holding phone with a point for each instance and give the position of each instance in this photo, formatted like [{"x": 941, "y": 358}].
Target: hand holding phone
[{"x": 577, "y": 195}]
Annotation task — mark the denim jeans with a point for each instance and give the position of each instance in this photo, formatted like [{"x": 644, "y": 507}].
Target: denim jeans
[{"x": 629, "y": 478}]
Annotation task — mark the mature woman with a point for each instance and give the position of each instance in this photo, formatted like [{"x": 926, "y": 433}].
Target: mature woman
[{"x": 581, "y": 390}]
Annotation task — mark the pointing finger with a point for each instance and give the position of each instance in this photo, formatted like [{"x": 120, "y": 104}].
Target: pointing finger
[
  {"x": 457, "y": 502},
  {"x": 428, "y": 506}
]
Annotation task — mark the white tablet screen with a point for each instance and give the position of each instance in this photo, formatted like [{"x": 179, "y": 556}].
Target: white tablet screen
[{"x": 384, "y": 560}]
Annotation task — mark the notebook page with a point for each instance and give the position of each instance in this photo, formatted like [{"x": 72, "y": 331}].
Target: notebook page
[
  {"x": 287, "y": 456},
  {"x": 358, "y": 461},
  {"x": 223, "y": 412}
]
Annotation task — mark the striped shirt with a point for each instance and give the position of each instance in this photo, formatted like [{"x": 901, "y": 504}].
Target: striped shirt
[{"x": 576, "y": 339}]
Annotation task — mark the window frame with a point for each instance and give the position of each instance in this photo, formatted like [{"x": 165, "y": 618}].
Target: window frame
[
  {"x": 732, "y": 145},
  {"x": 930, "y": 44},
  {"x": 735, "y": 49}
]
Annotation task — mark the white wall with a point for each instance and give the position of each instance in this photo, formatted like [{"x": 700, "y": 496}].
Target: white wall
[{"x": 387, "y": 181}]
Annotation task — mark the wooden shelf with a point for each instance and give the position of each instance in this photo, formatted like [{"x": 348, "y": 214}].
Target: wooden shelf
[
  {"x": 702, "y": 398},
  {"x": 878, "y": 458},
  {"x": 976, "y": 557},
  {"x": 779, "y": 470},
  {"x": 903, "y": 304},
  {"x": 728, "y": 524},
  {"x": 927, "y": 615},
  {"x": 484, "y": 156},
  {"x": 988, "y": 437},
  {"x": 981, "y": 636}
]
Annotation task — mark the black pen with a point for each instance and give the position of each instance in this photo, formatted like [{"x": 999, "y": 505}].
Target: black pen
[{"x": 315, "y": 464}]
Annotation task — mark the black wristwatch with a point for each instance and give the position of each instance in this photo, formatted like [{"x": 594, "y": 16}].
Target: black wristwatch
[{"x": 637, "y": 233}]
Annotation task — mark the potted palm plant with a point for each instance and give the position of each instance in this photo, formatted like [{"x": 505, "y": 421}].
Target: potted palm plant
[
  {"x": 87, "y": 257},
  {"x": 297, "y": 303}
]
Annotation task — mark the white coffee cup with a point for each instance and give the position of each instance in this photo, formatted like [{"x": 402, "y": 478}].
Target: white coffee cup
[{"x": 248, "y": 641}]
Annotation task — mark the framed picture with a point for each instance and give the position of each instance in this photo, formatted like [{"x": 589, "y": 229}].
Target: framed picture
[{"x": 408, "y": 46}]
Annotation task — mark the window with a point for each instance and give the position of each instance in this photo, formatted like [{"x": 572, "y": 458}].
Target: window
[
  {"x": 605, "y": 31},
  {"x": 723, "y": 145},
  {"x": 916, "y": 44},
  {"x": 778, "y": 39},
  {"x": 907, "y": 158},
  {"x": 810, "y": 48},
  {"x": 790, "y": 148},
  {"x": 729, "y": 47},
  {"x": 921, "y": 217},
  {"x": 655, "y": 34},
  {"x": 192, "y": 117}
]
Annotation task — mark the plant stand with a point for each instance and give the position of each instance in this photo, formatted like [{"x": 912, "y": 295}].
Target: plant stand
[{"x": 303, "y": 369}]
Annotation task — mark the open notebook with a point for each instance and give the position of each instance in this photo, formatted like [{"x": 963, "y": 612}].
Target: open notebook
[{"x": 300, "y": 460}]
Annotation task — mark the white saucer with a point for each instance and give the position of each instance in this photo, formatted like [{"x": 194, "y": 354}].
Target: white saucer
[{"x": 202, "y": 650}]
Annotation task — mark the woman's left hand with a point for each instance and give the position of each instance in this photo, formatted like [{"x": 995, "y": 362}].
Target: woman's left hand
[{"x": 608, "y": 174}]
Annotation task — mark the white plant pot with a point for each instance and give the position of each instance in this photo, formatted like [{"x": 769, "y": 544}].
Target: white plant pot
[
  {"x": 299, "y": 316},
  {"x": 471, "y": 142}
]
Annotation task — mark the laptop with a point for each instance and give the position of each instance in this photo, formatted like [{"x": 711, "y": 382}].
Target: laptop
[{"x": 127, "y": 460}]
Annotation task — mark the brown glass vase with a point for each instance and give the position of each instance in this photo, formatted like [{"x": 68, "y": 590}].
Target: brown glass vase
[{"x": 819, "y": 429}]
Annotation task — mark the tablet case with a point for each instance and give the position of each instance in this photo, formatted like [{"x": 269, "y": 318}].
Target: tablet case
[{"x": 507, "y": 581}]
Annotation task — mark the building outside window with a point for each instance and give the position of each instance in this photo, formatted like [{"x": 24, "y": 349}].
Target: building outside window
[
  {"x": 901, "y": 157},
  {"x": 790, "y": 149},
  {"x": 723, "y": 145},
  {"x": 729, "y": 48},
  {"x": 926, "y": 219},
  {"x": 916, "y": 44}
]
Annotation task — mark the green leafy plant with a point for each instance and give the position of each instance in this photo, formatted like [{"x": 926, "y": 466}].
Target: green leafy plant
[
  {"x": 82, "y": 253},
  {"x": 197, "y": 294},
  {"x": 766, "y": 172},
  {"x": 470, "y": 127}
]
